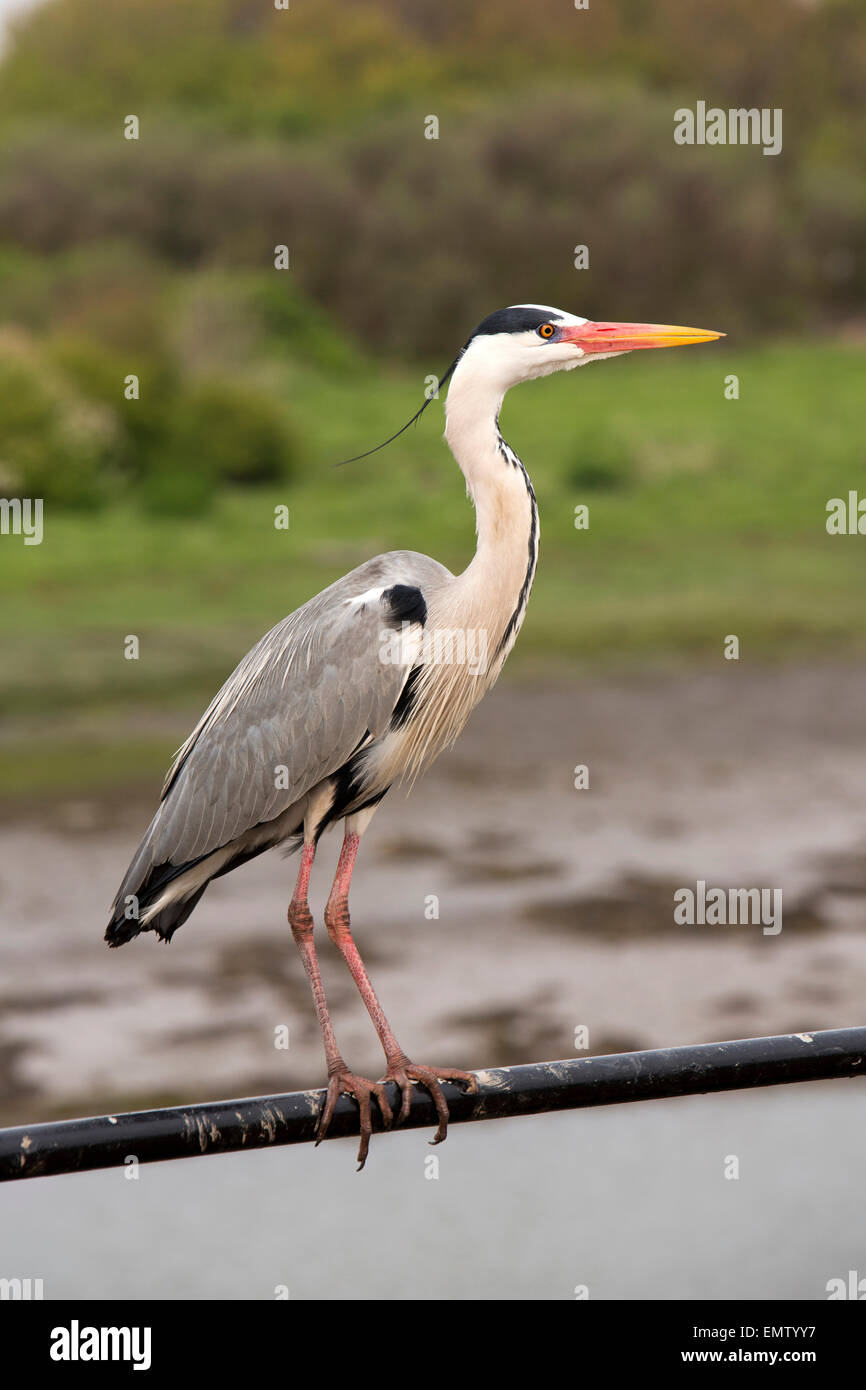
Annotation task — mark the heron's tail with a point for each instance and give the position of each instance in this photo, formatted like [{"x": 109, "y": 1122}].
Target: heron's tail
[
  {"x": 160, "y": 902},
  {"x": 160, "y": 897},
  {"x": 123, "y": 928}
]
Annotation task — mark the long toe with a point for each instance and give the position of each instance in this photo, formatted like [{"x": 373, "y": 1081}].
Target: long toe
[
  {"x": 345, "y": 1082},
  {"x": 334, "y": 1090},
  {"x": 398, "y": 1075},
  {"x": 405, "y": 1072}
]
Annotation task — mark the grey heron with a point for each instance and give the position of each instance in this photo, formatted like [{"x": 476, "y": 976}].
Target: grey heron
[{"x": 353, "y": 692}]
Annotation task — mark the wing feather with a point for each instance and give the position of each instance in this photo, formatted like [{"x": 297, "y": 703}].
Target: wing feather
[{"x": 292, "y": 713}]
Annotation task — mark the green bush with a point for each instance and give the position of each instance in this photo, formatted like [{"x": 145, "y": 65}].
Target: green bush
[
  {"x": 292, "y": 322},
  {"x": 219, "y": 321},
  {"x": 54, "y": 442},
  {"x": 405, "y": 243},
  {"x": 142, "y": 425},
  {"x": 183, "y": 438},
  {"x": 239, "y": 435}
]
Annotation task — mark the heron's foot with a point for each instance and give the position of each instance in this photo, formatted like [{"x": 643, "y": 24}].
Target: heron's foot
[
  {"x": 344, "y": 1082},
  {"x": 405, "y": 1072}
]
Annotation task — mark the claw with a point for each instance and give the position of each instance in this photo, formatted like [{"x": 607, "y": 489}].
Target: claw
[
  {"x": 406, "y": 1097},
  {"x": 405, "y": 1072},
  {"x": 346, "y": 1082}
]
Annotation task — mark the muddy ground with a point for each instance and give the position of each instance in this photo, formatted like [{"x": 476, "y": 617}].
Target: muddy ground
[{"x": 555, "y": 905}]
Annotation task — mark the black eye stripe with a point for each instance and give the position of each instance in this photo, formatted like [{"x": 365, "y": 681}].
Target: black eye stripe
[{"x": 515, "y": 320}]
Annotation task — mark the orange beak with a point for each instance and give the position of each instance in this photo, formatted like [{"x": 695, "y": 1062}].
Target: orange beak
[{"x": 625, "y": 337}]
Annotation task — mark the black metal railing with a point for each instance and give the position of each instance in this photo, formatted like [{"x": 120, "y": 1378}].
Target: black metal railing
[{"x": 230, "y": 1126}]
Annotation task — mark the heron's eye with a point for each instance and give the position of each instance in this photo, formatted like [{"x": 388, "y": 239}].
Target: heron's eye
[{"x": 546, "y": 330}]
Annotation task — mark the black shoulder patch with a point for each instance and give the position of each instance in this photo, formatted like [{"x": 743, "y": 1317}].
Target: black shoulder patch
[
  {"x": 515, "y": 320},
  {"x": 407, "y": 604}
]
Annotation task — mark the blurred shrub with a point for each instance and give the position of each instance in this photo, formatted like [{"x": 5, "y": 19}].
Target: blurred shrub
[
  {"x": 221, "y": 320},
  {"x": 142, "y": 424},
  {"x": 407, "y": 243},
  {"x": 253, "y": 67},
  {"x": 214, "y": 433},
  {"x": 295, "y": 323},
  {"x": 54, "y": 442},
  {"x": 183, "y": 438},
  {"x": 239, "y": 434},
  {"x": 239, "y": 65},
  {"x": 261, "y": 128},
  {"x": 110, "y": 294}
]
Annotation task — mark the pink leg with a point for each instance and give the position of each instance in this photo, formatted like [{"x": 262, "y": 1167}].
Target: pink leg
[
  {"x": 339, "y": 1077},
  {"x": 399, "y": 1067}
]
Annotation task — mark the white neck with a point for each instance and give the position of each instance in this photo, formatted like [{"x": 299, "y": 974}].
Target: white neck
[{"x": 495, "y": 586}]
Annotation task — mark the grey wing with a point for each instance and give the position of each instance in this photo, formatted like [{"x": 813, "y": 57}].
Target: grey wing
[{"x": 292, "y": 713}]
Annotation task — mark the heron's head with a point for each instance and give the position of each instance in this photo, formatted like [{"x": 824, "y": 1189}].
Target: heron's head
[{"x": 531, "y": 340}]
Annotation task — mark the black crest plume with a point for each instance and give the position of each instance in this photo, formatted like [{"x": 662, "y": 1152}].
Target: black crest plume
[{"x": 414, "y": 419}]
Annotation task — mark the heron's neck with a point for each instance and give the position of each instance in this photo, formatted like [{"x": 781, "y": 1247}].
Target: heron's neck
[{"x": 500, "y": 575}]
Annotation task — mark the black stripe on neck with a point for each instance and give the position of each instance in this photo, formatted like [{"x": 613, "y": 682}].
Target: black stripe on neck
[{"x": 532, "y": 558}]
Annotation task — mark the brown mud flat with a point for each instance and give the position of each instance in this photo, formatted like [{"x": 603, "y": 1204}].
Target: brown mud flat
[{"x": 555, "y": 906}]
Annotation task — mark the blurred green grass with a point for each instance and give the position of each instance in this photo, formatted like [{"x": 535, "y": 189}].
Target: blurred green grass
[{"x": 706, "y": 518}]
